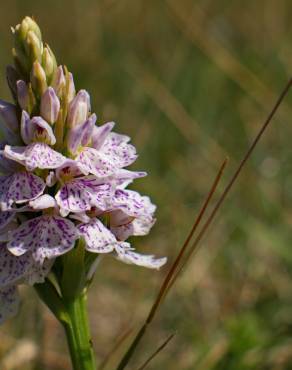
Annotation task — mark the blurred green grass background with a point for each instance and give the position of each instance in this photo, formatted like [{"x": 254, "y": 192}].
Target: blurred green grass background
[{"x": 190, "y": 82}]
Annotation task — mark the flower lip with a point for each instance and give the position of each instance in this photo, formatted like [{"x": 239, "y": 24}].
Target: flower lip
[
  {"x": 46, "y": 236},
  {"x": 81, "y": 194},
  {"x": 35, "y": 155}
]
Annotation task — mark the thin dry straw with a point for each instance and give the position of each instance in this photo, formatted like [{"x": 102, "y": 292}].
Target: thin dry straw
[
  {"x": 228, "y": 187},
  {"x": 172, "y": 269},
  {"x": 159, "y": 349}
]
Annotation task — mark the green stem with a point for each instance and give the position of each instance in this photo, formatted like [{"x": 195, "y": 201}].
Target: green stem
[{"x": 78, "y": 334}]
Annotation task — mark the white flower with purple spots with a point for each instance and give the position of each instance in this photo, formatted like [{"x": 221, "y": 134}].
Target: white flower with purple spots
[
  {"x": 98, "y": 239},
  {"x": 36, "y": 155}
]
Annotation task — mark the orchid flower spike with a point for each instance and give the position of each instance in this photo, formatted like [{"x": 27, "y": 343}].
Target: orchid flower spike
[{"x": 63, "y": 182}]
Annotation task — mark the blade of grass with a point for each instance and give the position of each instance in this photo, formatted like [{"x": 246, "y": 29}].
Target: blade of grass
[
  {"x": 172, "y": 269},
  {"x": 227, "y": 189},
  {"x": 154, "y": 354},
  {"x": 209, "y": 220}
]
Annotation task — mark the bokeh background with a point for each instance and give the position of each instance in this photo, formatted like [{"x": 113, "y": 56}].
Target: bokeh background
[{"x": 190, "y": 82}]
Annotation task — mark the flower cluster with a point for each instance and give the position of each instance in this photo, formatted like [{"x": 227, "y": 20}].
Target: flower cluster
[{"x": 63, "y": 178}]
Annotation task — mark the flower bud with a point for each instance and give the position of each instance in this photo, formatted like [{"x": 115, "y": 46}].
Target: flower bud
[
  {"x": 38, "y": 79},
  {"x": 33, "y": 47},
  {"x": 59, "y": 81},
  {"x": 31, "y": 99},
  {"x": 27, "y": 24},
  {"x": 71, "y": 92},
  {"x": 79, "y": 109},
  {"x": 28, "y": 45},
  {"x": 80, "y": 134},
  {"x": 21, "y": 62},
  {"x": 22, "y": 94},
  {"x": 50, "y": 106},
  {"x": 49, "y": 63}
]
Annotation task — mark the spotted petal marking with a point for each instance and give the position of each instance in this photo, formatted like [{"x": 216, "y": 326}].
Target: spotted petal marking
[
  {"x": 124, "y": 177},
  {"x": 35, "y": 155},
  {"x": 13, "y": 269},
  {"x": 116, "y": 148},
  {"x": 44, "y": 236},
  {"x": 126, "y": 254},
  {"x": 133, "y": 204},
  {"x": 95, "y": 162},
  {"x": 19, "y": 187},
  {"x": 81, "y": 194},
  {"x": 9, "y": 303},
  {"x": 97, "y": 237}
]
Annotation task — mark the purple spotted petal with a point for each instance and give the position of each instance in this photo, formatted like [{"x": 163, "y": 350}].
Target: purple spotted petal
[
  {"x": 44, "y": 236},
  {"x": 121, "y": 153},
  {"x": 13, "y": 269},
  {"x": 22, "y": 269},
  {"x": 82, "y": 194},
  {"x": 35, "y": 155},
  {"x": 19, "y": 188},
  {"x": 126, "y": 254},
  {"x": 96, "y": 163},
  {"x": 9, "y": 303},
  {"x": 123, "y": 177},
  {"x": 133, "y": 204},
  {"x": 97, "y": 237},
  {"x": 100, "y": 134}
]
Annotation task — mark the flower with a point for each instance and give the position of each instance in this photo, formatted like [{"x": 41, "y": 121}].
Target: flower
[{"x": 63, "y": 177}]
